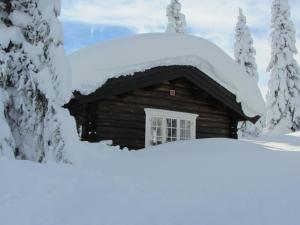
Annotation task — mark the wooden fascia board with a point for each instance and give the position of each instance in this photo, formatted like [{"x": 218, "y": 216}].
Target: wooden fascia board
[
  {"x": 208, "y": 85},
  {"x": 128, "y": 85}
]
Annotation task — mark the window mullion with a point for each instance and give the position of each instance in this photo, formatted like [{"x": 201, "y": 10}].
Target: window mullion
[
  {"x": 164, "y": 127},
  {"x": 147, "y": 131},
  {"x": 193, "y": 130},
  {"x": 178, "y": 129}
]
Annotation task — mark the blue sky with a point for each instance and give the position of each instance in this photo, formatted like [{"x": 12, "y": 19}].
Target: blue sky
[{"x": 89, "y": 21}]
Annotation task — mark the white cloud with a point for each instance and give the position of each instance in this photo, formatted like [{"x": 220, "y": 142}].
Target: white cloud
[
  {"x": 141, "y": 15},
  {"x": 144, "y": 14},
  {"x": 214, "y": 20}
]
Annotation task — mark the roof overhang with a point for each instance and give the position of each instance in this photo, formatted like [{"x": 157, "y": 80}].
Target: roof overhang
[{"x": 123, "y": 84}]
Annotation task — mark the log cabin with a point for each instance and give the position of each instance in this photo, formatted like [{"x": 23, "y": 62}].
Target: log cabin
[{"x": 153, "y": 89}]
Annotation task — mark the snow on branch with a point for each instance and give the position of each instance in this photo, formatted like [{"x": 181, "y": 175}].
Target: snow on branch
[
  {"x": 283, "y": 100},
  {"x": 176, "y": 20}
]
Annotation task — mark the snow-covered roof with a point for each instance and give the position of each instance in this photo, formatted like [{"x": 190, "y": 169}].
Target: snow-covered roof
[{"x": 94, "y": 65}]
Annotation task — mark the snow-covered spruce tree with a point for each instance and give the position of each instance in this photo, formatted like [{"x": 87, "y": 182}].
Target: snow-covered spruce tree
[
  {"x": 27, "y": 106},
  {"x": 245, "y": 56},
  {"x": 176, "y": 20},
  {"x": 55, "y": 83},
  {"x": 243, "y": 49},
  {"x": 37, "y": 78},
  {"x": 7, "y": 143},
  {"x": 283, "y": 100},
  {"x": 16, "y": 78}
]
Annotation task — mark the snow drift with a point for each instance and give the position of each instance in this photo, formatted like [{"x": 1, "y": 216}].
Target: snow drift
[
  {"x": 94, "y": 65},
  {"x": 215, "y": 182}
]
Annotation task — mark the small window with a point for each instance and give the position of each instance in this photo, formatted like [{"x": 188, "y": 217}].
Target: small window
[{"x": 164, "y": 126}]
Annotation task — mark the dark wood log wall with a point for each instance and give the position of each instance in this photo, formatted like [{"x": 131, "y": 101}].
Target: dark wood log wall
[
  {"x": 122, "y": 118},
  {"x": 79, "y": 112}
]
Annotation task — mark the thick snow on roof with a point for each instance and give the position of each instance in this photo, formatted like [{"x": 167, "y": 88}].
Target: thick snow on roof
[{"x": 94, "y": 65}]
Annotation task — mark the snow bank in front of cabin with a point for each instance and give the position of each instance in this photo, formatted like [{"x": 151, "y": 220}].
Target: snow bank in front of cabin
[
  {"x": 94, "y": 65},
  {"x": 288, "y": 142},
  {"x": 213, "y": 182}
]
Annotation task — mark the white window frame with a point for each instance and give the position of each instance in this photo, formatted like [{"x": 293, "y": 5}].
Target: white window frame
[{"x": 167, "y": 114}]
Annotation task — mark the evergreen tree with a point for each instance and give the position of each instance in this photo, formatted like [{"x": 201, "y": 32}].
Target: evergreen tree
[
  {"x": 176, "y": 20},
  {"x": 243, "y": 49},
  {"x": 58, "y": 77},
  {"x": 245, "y": 56},
  {"x": 283, "y": 100},
  {"x": 7, "y": 144},
  {"x": 36, "y": 78},
  {"x": 23, "y": 110}
]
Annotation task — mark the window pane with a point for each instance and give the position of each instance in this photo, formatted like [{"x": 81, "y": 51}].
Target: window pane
[
  {"x": 169, "y": 133},
  {"x": 182, "y": 124},
  {"x": 174, "y": 123},
  {"x": 156, "y": 131},
  {"x": 169, "y": 123},
  {"x": 174, "y": 132},
  {"x": 159, "y": 122},
  {"x": 188, "y": 125},
  {"x": 185, "y": 130},
  {"x": 153, "y": 122},
  {"x": 182, "y": 135},
  {"x": 171, "y": 130},
  {"x": 185, "y": 124},
  {"x": 159, "y": 131},
  {"x": 188, "y": 134}
]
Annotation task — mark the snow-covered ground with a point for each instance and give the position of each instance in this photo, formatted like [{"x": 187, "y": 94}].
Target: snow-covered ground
[{"x": 209, "y": 182}]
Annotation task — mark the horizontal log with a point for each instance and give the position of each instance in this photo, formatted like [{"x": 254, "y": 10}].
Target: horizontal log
[
  {"x": 120, "y": 132},
  {"x": 203, "y": 135},
  {"x": 138, "y": 106},
  {"x": 160, "y": 100},
  {"x": 213, "y": 125},
  {"x": 121, "y": 124},
  {"x": 140, "y": 116},
  {"x": 127, "y": 116},
  {"x": 203, "y": 117},
  {"x": 206, "y": 130},
  {"x": 157, "y": 99},
  {"x": 188, "y": 98}
]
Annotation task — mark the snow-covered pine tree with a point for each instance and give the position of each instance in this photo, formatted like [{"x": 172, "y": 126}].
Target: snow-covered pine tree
[
  {"x": 59, "y": 128},
  {"x": 23, "y": 110},
  {"x": 7, "y": 143},
  {"x": 244, "y": 51},
  {"x": 176, "y": 20},
  {"x": 283, "y": 100},
  {"x": 245, "y": 56},
  {"x": 36, "y": 78}
]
